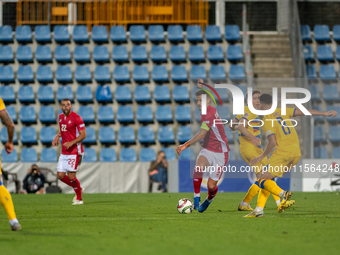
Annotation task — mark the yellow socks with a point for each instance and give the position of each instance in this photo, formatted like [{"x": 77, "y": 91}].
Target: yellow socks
[
  {"x": 253, "y": 190},
  {"x": 271, "y": 186},
  {"x": 6, "y": 202},
  {"x": 262, "y": 198}
]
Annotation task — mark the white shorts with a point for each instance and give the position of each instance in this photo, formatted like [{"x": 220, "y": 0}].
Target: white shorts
[
  {"x": 68, "y": 163},
  {"x": 216, "y": 160}
]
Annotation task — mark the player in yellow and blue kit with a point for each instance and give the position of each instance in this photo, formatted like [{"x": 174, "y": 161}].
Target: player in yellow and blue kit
[{"x": 5, "y": 196}]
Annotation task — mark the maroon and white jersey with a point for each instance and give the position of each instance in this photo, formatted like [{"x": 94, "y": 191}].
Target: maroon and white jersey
[
  {"x": 216, "y": 139},
  {"x": 69, "y": 129}
]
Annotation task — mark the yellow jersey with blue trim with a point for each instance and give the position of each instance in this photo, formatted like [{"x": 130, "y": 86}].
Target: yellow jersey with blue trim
[
  {"x": 287, "y": 140},
  {"x": 2, "y": 105}
]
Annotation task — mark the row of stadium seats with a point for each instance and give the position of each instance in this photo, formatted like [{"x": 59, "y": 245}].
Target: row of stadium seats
[
  {"x": 322, "y": 153},
  {"x": 42, "y": 34},
  {"x": 324, "y": 53},
  {"x": 320, "y": 134},
  {"x": 119, "y": 54},
  {"x": 321, "y": 33},
  {"x": 330, "y": 93},
  {"x": 326, "y": 73},
  {"x": 102, "y": 75}
]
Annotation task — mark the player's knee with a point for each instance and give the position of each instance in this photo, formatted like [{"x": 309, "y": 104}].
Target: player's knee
[
  {"x": 199, "y": 169},
  {"x": 60, "y": 175},
  {"x": 212, "y": 186}
]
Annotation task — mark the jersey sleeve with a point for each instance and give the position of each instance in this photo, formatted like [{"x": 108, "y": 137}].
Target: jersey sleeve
[
  {"x": 2, "y": 105},
  {"x": 80, "y": 123},
  {"x": 290, "y": 112},
  {"x": 207, "y": 121},
  {"x": 269, "y": 127}
]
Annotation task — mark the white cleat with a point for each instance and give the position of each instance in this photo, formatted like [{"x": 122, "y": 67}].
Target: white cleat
[
  {"x": 78, "y": 202},
  {"x": 75, "y": 197}
]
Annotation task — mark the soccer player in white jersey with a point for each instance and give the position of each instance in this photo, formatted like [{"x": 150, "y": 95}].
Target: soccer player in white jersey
[{"x": 215, "y": 152}]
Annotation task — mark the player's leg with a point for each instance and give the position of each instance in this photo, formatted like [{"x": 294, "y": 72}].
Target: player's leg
[
  {"x": 7, "y": 204},
  {"x": 201, "y": 164},
  {"x": 212, "y": 191},
  {"x": 75, "y": 184}
]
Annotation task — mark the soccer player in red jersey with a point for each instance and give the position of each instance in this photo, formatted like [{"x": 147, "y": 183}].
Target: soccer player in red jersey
[
  {"x": 214, "y": 154},
  {"x": 72, "y": 132}
]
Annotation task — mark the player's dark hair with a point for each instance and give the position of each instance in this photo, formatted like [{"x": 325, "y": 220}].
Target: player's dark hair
[
  {"x": 266, "y": 99},
  {"x": 255, "y": 91},
  {"x": 65, "y": 99},
  {"x": 201, "y": 92}
]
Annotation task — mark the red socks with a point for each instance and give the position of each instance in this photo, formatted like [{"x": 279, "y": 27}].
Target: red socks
[
  {"x": 75, "y": 184},
  {"x": 197, "y": 182},
  {"x": 212, "y": 193}
]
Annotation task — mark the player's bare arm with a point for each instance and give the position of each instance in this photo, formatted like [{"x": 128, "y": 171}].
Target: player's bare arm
[
  {"x": 270, "y": 147},
  {"x": 200, "y": 135},
  {"x": 55, "y": 141},
  {"x": 6, "y": 119},
  {"x": 242, "y": 128},
  {"x": 199, "y": 83},
  {"x": 332, "y": 113},
  {"x": 81, "y": 137}
]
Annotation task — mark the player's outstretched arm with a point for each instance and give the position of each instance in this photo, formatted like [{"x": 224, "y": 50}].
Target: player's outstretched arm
[
  {"x": 255, "y": 141},
  {"x": 6, "y": 119},
  {"x": 332, "y": 113},
  {"x": 200, "y": 135},
  {"x": 55, "y": 141},
  {"x": 81, "y": 137},
  {"x": 233, "y": 125},
  {"x": 269, "y": 149}
]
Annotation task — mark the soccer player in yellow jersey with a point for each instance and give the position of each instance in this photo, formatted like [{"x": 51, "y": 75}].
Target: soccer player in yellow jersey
[
  {"x": 5, "y": 196},
  {"x": 282, "y": 134}
]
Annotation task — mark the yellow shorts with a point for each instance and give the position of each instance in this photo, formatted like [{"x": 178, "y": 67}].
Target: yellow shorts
[
  {"x": 279, "y": 164},
  {"x": 248, "y": 152}
]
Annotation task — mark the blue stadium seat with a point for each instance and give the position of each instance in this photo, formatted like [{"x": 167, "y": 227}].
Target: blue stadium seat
[
  {"x": 324, "y": 53},
  {"x": 121, "y": 74},
  {"x": 213, "y": 33},
  {"x": 180, "y": 94},
  {"x": 101, "y": 54},
  {"x": 106, "y": 136},
  {"x": 123, "y": 94},
  {"x": 102, "y": 74},
  {"x": 118, "y": 34},
  {"x": 198, "y": 71},
  {"x": 6, "y": 54},
  {"x": 140, "y": 74},
  {"x": 327, "y": 73},
  {"x": 146, "y": 135},
  {"x": 126, "y": 135},
  {"x": 334, "y": 134},
  {"x": 319, "y": 134},
  {"x": 63, "y": 74},
  {"x": 315, "y": 94},
  {"x": 165, "y": 135},
  {"x": 62, "y": 53},
  {"x": 84, "y": 94},
  {"x": 217, "y": 73},
  {"x": 311, "y": 73},
  {"x": 43, "y": 54},
  {"x": 9, "y": 158},
  {"x": 105, "y": 115},
  {"x": 175, "y": 33},
  {"x": 184, "y": 134},
  {"x": 107, "y": 155},
  {"x": 80, "y": 34},
  {"x": 223, "y": 112},
  {"x": 159, "y": 74},
  {"x": 223, "y": 93},
  {"x": 47, "y": 115},
  {"x": 99, "y": 34},
  {"x": 103, "y": 94},
  {"x": 215, "y": 53},
  {"x": 127, "y": 155},
  {"x": 48, "y": 155},
  {"x": 137, "y": 34},
  {"x": 125, "y": 114},
  {"x": 194, "y": 33},
  {"x": 6, "y": 34},
  {"x": 182, "y": 114},
  {"x": 318, "y": 118},
  {"x": 81, "y": 54},
  {"x": 158, "y": 54},
  {"x": 87, "y": 114},
  {"x": 321, "y": 33},
  {"x": 90, "y": 155},
  {"x": 147, "y": 155},
  {"x": 236, "y": 73},
  {"x": 229, "y": 134},
  {"x": 28, "y": 155},
  {"x": 164, "y": 114},
  {"x": 177, "y": 54},
  {"x": 42, "y": 34},
  {"x": 142, "y": 94},
  {"x": 187, "y": 154},
  {"x": 337, "y": 53},
  {"x": 144, "y": 114},
  {"x": 308, "y": 53},
  {"x": 23, "y": 34},
  {"x": 244, "y": 89},
  {"x": 138, "y": 54},
  {"x": 169, "y": 153},
  {"x": 336, "y": 33},
  {"x": 333, "y": 108},
  {"x": 305, "y": 33},
  {"x": 82, "y": 74},
  {"x": 90, "y": 136},
  {"x": 11, "y": 112},
  {"x": 24, "y": 54},
  {"x": 232, "y": 33},
  {"x": 6, "y": 74},
  {"x": 156, "y": 33},
  {"x": 161, "y": 94},
  {"x": 4, "y": 136},
  {"x": 25, "y": 74},
  {"x": 7, "y": 94},
  {"x": 47, "y": 135},
  {"x": 60, "y": 34},
  {"x": 194, "y": 89},
  {"x": 335, "y": 152},
  {"x": 65, "y": 92},
  {"x": 330, "y": 93},
  {"x": 27, "y": 115},
  {"x": 44, "y": 74},
  {"x": 28, "y": 136},
  {"x": 234, "y": 53},
  {"x": 26, "y": 95},
  {"x": 196, "y": 53}
]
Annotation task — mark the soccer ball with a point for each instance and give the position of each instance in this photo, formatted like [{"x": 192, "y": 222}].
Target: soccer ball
[{"x": 184, "y": 205}]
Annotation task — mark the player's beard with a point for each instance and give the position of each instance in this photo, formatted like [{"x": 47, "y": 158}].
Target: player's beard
[{"x": 66, "y": 112}]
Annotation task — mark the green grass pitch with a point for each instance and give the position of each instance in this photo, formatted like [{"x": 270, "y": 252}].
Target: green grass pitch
[{"x": 150, "y": 224}]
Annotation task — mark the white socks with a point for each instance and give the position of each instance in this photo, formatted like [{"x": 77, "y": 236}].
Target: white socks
[{"x": 12, "y": 222}]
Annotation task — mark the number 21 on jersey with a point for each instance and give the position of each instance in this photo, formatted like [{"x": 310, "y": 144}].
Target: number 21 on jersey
[{"x": 63, "y": 128}]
